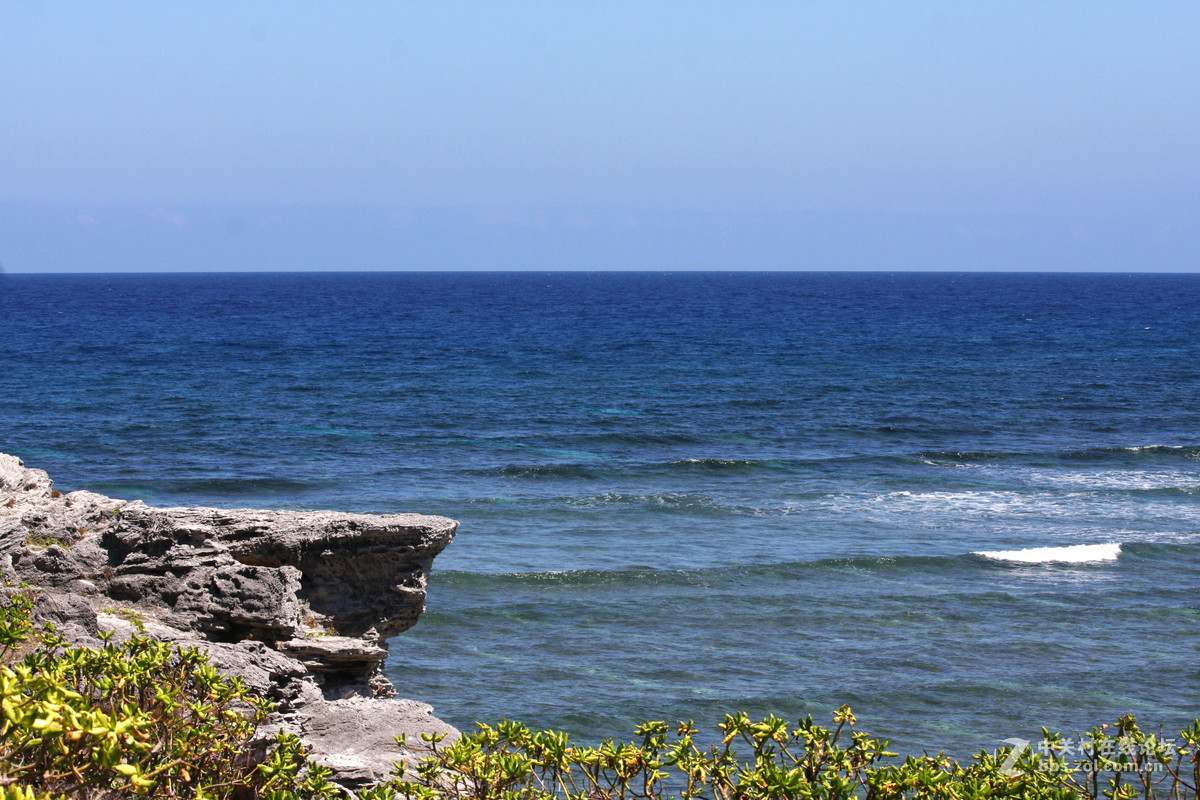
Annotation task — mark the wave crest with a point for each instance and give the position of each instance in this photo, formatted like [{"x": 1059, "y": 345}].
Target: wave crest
[{"x": 1072, "y": 554}]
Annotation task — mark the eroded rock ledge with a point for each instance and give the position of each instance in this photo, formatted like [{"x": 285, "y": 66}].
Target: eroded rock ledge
[{"x": 299, "y": 604}]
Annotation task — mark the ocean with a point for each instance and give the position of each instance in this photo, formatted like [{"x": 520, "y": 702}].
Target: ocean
[{"x": 968, "y": 505}]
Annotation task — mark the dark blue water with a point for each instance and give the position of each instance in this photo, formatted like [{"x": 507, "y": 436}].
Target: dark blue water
[{"x": 686, "y": 494}]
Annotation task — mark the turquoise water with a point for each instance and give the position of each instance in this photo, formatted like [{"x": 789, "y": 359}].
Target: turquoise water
[{"x": 686, "y": 494}]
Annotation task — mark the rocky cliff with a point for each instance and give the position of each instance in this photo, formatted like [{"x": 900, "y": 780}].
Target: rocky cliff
[{"x": 299, "y": 604}]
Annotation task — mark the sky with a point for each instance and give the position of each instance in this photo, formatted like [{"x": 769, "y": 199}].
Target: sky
[{"x": 150, "y": 136}]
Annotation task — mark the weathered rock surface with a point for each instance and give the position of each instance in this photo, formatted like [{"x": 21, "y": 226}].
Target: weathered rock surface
[
  {"x": 296, "y": 603},
  {"x": 356, "y": 735}
]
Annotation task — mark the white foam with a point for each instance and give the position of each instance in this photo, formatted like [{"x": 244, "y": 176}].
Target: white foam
[
  {"x": 1129, "y": 479},
  {"x": 1073, "y": 554},
  {"x": 1141, "y": 447},
  {"x": 973, "y": 502}
]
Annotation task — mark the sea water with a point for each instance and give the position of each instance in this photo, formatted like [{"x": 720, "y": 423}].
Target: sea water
[{"x": 966, "y": 504}]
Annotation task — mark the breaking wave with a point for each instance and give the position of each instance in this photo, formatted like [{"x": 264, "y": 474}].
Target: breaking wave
[{"x": 1071, "y": 554}]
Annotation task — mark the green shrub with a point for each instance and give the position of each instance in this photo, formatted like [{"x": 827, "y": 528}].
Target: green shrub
[
  {"x": 15, "y": 608},
  {"x": 782, "y": 762},
  {"x": 139, "y": 718}
]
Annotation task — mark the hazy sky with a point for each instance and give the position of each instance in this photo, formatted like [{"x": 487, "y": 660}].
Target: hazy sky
[{"x": 244, "y": 135}]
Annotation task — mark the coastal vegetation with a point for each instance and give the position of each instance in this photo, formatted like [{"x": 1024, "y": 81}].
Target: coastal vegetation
[
  {"x": 143, "y": 718},
  {"x": 139, "y": 718}
]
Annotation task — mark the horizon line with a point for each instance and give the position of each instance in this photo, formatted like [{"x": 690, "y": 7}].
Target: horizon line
[{"x": 64, "y": 273}]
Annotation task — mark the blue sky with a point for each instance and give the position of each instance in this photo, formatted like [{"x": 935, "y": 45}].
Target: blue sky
[{"x": 560, "y": 135}]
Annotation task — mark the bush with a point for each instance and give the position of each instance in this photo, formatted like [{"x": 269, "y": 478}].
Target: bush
[
  {"x": 139, "y": 718},
  {"x": 781, "y": 762}
]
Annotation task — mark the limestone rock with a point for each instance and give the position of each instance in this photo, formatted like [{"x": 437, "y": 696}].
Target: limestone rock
[
  {"x": 239, "y": 601},
  {"x": 354, "y": 664},
  {"x": 356, "y": 737},
  {"x": 260, "y": 591},
  {"x": 362, "y": 571}
]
